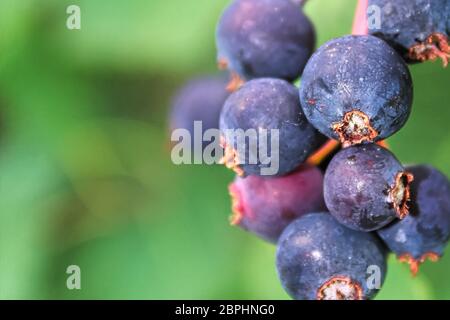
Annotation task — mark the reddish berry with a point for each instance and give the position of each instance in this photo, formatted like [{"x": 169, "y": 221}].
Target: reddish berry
[{"x": 265, "y": 206}]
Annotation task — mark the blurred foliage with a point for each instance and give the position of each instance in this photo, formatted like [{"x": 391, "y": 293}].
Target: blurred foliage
[{"x": 85, "y": 171}]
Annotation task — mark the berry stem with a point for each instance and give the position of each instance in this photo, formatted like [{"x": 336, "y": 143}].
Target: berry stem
[
  {"x": 360, "y": 21},
  {"x": 340, "y": 288},
  {"x": 383, "y": 144},
  {"x": 330, "y": 146},
  {"x": 316, "y": 158}
]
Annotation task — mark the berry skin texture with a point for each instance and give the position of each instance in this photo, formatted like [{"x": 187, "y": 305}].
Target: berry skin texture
[
  {"x": 417, "y": 29},
  {"x": 200, "y": 99},
  {"x": 265, "y": 206},
  {"x": 365, "y": 187},
  {"x": 426, "y": 231},
  {"x": 267, "y": 104},
  {"x": 318, "y": 258},
  {"x": 356, "y": 102},
  {"x": 264, "y": 38}
]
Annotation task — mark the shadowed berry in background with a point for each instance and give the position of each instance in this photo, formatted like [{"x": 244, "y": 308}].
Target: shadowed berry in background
[
  {"x": 264, "y": 38},
  {"x": 318, "y": 258},
  {"x": 268, "y": 104},
  {"x": 200, "y": 99},
  {"x": 366, "y": 187},
  {"x": 356, "y": 89},
  {"x": 417, "y": 29},
  {"x": 265, "y": 206},
  {"x": 425, "y": 232}
]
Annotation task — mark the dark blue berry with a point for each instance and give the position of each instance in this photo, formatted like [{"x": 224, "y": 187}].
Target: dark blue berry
[
  {"x": 267, "y": 104},
  {"x": 264, "y": 38},
  {"x": 356, "y": 89},
  {"x": 417, "y": 29},
  {"x": 200, "y": 99},
  {"x": 426, "y": 230},
  {"x": 366, "y": 187},
  {"x": 318, "y": 258},
  {"x": 265, "y": 206}
]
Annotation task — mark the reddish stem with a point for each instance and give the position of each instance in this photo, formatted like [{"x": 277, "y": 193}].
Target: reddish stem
[
  {"x": 316, "y": 158},
  {"x": 360, "y": 19},
  {"x": 383, "y": 144}
]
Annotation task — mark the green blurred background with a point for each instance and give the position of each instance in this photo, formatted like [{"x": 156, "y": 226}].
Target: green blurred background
[{"x": 85, "y": 170}]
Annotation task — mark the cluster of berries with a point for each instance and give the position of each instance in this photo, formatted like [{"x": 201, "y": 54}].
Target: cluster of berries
[{"x": 331, "y": 228}]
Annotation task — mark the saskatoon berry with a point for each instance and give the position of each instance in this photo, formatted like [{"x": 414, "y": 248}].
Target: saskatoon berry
[
  {"x": 365, "y": 187},
  {"x": 265, "y": 206},
  {"x": 356, "y": 89},
  {"x": 426, "y": 230},
  {"x": 199, "y": 100},
  {"x": 318, "y": 258},
  {"x": 264, "y": 38},
  {"x": 267, "y": 104},
  {"x": 417, "y": 29}
]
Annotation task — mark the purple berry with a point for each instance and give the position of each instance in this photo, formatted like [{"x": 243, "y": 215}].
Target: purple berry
[
  {"x": 265, "y": 206},
  {"x": 200, "y": 99},
  {"x": 417, "y": 29},
  {"x": 425, "y": 232},
  {"x": 318, "y": 258},
  {"x": 270, "y": 105},
  {"x": 264, "y": 38},
  {"x": 366, "y": 187},
  {"x": 356, "y": 89}
]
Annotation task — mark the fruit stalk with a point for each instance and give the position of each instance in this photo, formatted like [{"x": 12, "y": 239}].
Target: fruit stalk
[{"x": 360, "y": 22}]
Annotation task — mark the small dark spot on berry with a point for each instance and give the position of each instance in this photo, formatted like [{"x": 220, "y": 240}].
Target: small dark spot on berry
[
  {"x": 370, "y": 163},
  {"x": 288, "y": 214}
]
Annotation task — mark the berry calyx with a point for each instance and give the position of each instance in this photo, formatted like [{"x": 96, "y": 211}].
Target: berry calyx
[
  {"x": 235, "y": 82},
  {"x": 237, "y": 207},
  {"x": 340, "y": 288},
  {"x": 399, "y": 194},
  {"x": 222, "y": 64},
  {"x": 435, "y": 46},
  {"x": 414, "y": 264},
  {"x": 230, "y": 158},
  {"x": 355, "y": 128}
]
